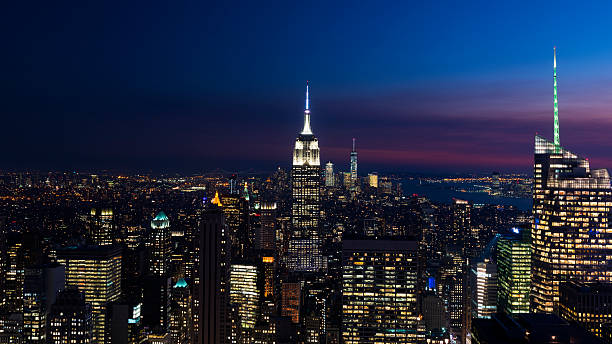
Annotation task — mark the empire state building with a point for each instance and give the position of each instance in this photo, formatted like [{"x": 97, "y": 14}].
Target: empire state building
[{"x": 304, "y": 245}]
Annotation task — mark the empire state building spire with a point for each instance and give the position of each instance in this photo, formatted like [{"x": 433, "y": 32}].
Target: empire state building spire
[
  {"x": 555, "y": 104},
  {"x": 307, "y": 130}
]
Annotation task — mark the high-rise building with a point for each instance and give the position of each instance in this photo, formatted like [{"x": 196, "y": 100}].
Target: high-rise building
[
  {"x": 495, "y": 184},
  {"x": 354, "y": 165},
  {"x": 71, "y": 319},
  {"x": 373, "y": 179},
  {"x": 570, "y": 231},
  {"x": 125, "y": 323},
  {"x": 233, "y": 185},
  {"x": 330, "y": 178},
  {"x": 40, "y": 288},
  {"x": 236, "y": 211},
  {"x": 160, "y": 245},
  {"x": 266, "y": 233},
  {"x": 463, "y": 233},
  {"x": 305, "y": 243},
  {"x": 95, "y": 271},
  {"x": 379, "y": 292},
  {"x": 514, "y": 272},
  {"x": 586, "y": 304},
  {"x": 454, "y": 285},
  {"x": 101, "y": 226},
  {"x": 213, "y": 277},
  {"x": 291, "y": 295},
  {"x": 180, "y": 318},
  {"x": 484, "y": 289},
  {"x": 244, "y": 296},
  {"x": 15, "y": 274}
]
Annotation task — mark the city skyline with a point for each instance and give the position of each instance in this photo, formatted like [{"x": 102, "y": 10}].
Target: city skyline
[{"x": 155, "y": 102}]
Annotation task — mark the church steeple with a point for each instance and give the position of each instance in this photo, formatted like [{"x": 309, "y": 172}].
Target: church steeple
[{"x": 307, "y": 130}]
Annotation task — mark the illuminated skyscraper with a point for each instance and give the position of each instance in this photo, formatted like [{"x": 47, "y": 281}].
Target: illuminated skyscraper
[
  {"x": 379, "y": 292},
  {"x": 95, "y": 271},
  {"x": 484, "y": 289},
  {"x": 373, "y": 179},
  {"x": 266, "y": 232},
  {"x": 354, "y": 165},
  {"x": 40, "y": 289},
  {"x": 454, "y": 288},
  {"x": 71, "y": 319},
  {"x": 304, "y": 246},
  {"x": 570, "y": 235},
  {"x": 236, "y": 211},
  {"x": 330, "y": 178},
  {"x": 160, "y": 245},
  {"x": 464, "y": 234},
  {"x": 513, "y": 272},
  {"x": 180, "y": 318},
  {"x": 244, "y": 295},
  {"x": 101, "y": 226}
]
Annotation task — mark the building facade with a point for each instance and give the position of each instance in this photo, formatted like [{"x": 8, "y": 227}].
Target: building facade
[
  {"x": 379, "y": 292},
  {"x": 96, "y": 272},
  {"x": 305, "y": 243},
  {"x": 514, "y": 272}
]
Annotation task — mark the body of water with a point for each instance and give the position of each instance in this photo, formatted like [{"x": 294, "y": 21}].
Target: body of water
[{"x": 444, "y": 193}]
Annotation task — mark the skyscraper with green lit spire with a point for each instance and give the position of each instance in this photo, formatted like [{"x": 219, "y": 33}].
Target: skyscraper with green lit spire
[{"x": 570, "y": 233}]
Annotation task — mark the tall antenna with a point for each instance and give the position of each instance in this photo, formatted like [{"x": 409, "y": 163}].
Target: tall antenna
[
  {"x": 307, "y": 97},
  {"x": 353, "y": 144},
  {"x": 555, "y": 102}
]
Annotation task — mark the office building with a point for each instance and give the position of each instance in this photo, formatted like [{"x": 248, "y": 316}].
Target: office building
[
  {"x": 305, "y": 243},
  {"x": 96, "y": 272},
  {"x": 101, "y": 226},
  {"x": 484, "y": 289},
  {"x": 373, "y": 179},
  {"x": 587, "y": 304},
  {"x": 41, "y": 286},
  {"x": 514, "y": 272},
  {"x": 181, "y": 330},
  {"x": 71, "y": 319},
  {"x": 236, "y": 211},
  {"x": 330, "y": 178},
  {"x": 125, "y": 323},
  {"x": 213, "y": 277},
  {"x": 379, "y": 292},
  {"x": 244, "y": 296},
  {"x": 291, "y": 296},
  {"x": 266, "y": 233},
  {"x": 160, "y": 245},
  {"x": 570, "y": 230}
]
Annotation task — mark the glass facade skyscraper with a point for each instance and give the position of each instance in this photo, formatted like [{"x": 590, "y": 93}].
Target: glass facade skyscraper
[
  {"x": 513, "y": 272},
  {"x": 571, "y": 237}
]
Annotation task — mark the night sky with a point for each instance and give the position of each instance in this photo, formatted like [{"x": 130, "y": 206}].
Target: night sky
[{"x": 425, "y": 86}]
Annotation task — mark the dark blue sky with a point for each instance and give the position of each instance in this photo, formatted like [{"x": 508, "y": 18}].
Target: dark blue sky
[{"x": 189, "y": 86}]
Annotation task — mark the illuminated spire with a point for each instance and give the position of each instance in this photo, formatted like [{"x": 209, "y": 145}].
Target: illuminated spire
[
  {"x": 307, "y": 130},
  {"x": 216, "y": 200},
  {"x": 555, "y": 103},
  {"x": 353, "y": 144}
]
